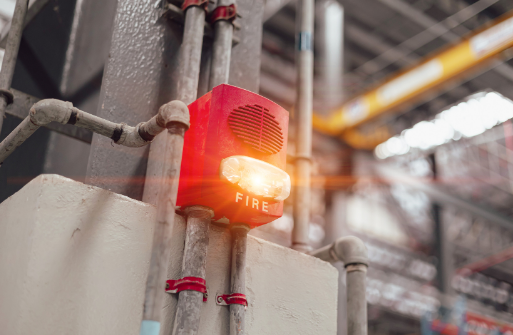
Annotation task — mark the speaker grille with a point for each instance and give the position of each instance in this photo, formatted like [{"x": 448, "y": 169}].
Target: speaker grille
[{"x": 256, "y": 127}]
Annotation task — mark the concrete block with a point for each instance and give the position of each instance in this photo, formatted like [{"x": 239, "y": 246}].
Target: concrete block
[{"x": 74, "y": 260}]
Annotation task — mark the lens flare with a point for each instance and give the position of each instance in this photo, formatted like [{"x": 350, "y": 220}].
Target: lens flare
[{"x": 257, "y": 177}]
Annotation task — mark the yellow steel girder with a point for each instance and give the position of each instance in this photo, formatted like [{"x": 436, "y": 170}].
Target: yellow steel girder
[{"x": 410, "y": 85}]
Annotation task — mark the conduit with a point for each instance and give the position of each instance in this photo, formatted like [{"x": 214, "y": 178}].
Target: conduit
[
  {"x": 352, "y": 252},
  {"x": 188, "y": 309},
  {"x": 302, "y": 168},
  {"x": 222, "y": 18},
  {"x": 52, "y": 110},
  {"x": 177, "y": 124},
  {"x": 238, "y": 277},
  {"x": 11, "y": 53}
]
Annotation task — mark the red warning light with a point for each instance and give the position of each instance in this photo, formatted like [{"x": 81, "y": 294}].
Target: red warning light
[{"x": 234, "y": 157}]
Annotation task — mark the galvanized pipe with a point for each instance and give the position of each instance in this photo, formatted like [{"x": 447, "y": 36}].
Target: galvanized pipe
[
  {"x": 238, "y": 277},
  {"x": 11, "y": 54},
  {"x": 303, "y": 116},
  {"x": 356, "y": 301},
  {"x": 198, "y": 218},
  {"x": 177, "y": 124},
  {"x": 221, "y": 50},
  {"x": 187, "y": 91},
  {"x": 190, "y": 54},
  {"x": 52, "y": 110},
  {"x": 352, "y": 252},
  {"x": 188, "y": 310}
]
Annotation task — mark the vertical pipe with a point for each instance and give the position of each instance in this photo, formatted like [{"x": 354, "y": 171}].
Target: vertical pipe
[
  {"x": 190, "y": 54},
  {"x": 352, "y": 251},
  {"x": 187, "y": 89},
  {"x": 303, "y": 116},
  {"x": 163, "y": 230},
  {"x": 221, "y": 50},
  {"x": 11, "y": 53},
  {"x": 198, "y": 218},
  {"x": 188, "y": 310},
  {"x": 329, "y": 51},
  {"x": 356, "y": 300},
  {"x": 238, "y": 277}
]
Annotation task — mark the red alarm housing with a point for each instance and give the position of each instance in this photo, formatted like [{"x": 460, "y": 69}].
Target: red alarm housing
[{"x": 234, "y": 157}]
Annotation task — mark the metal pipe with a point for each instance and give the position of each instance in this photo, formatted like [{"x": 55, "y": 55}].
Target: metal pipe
[
  {"x": 238, "y": 277},
  {"x": 52, "y": 110},
  {"x": 303, "y": 117},
  {"x": 221, "y": 50},
  {"x": 198, "y": 217},
  {"x": 329, "y": 44},
  {"x": 11, "y": 53},
  {"x": 356, "y": 300},
  {"x": 188, "y": 310},
  {"x": 187, "y": 91},
  {"x": 177, "y": 124},
  {"x": 353, "y": 253},
  {"x": 190, "y": 54}
]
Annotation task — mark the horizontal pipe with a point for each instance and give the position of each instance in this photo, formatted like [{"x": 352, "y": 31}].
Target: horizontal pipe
[{"x": 52, "y": 110}]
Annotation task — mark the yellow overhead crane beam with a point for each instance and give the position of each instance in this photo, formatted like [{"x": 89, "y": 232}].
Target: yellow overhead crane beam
[{"x": 412, "y": 84}]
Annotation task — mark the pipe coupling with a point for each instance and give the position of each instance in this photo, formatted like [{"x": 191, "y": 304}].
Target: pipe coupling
[
  {"x": 50, "y": 110},
  {"x": 350, "y": 250},
  {"x": 174, "y": 111}
]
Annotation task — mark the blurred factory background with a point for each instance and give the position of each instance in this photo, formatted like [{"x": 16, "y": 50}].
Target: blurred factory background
[{"x": 424, "y": 176}]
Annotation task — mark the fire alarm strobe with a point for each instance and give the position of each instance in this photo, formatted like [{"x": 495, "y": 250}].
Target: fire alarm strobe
[{"x": 234, "y": 157}]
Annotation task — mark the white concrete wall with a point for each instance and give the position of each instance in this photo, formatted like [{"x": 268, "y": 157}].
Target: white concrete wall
[{"x": 74, "y": 260}]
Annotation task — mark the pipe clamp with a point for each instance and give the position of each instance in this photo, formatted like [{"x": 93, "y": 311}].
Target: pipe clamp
[
  {"x": 356, "y": 267},
  {"x": 230, "y": 299},
  {"x": 187, "y": 283},
  {"x": 227, "y": 13},
  {"x": 7, "y": 94},
  {"x": 198, "y": 3}
]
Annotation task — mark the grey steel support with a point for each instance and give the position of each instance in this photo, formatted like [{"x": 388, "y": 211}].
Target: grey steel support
[
  {"x": 20, "y": 109},
  {"x": 221, "y": 50},
  {"x": 440, "y": 195},
  {"x": 238, "y": 277},
  {"x": 443, "y": 251},
  {"x": 10, "y": 56},
  {"x": 303, "y": 116},
  {"x": 177, "y": 123},
  {"x": 188, "y": 310},
  {"x": 32, "y": 12},
  {"x": 141, "y": 74},
  {"x": 353, "y": 253}
]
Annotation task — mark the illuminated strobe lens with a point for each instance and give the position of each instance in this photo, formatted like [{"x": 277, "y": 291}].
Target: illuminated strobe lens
[{"x": 257, "y": 177}]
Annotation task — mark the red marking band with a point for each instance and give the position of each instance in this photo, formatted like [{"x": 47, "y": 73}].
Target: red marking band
[
  {"x": 187, "y": 283},
  {"x": 230, "y": 299},
  {"x": 199, "y": 3},
  {"x": 227, "y": 13}
]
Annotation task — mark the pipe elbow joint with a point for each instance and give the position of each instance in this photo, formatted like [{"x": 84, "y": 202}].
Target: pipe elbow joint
[
  {"x": 350, "y": 250},
  {"x": 174, "y": 111},
  {"x": 50, "y": 110}
]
